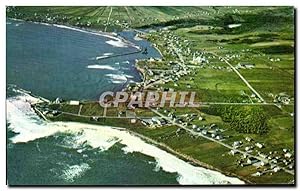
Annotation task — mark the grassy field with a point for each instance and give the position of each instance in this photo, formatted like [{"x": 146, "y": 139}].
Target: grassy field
[{"x": 259, "y": 36}]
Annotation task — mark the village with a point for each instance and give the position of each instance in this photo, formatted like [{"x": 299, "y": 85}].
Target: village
[
  {"x": 247, "y": 151},
  {"x": 223, "y": 68}
]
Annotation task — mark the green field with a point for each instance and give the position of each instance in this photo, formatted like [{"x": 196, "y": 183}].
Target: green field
[{"x": 262, "y": 37}]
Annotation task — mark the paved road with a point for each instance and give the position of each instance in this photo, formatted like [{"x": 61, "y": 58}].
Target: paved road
[
  {"x": 217, "y": 141},
  {"x": 240, "y": 75}
]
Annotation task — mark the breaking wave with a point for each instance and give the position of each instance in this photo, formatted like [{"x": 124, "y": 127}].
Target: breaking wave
[
  {"x": 117, "y": 78},
  {"x": 101, "y": 67},
  {"x": 29, "y": 126},
  {"x": 118, "y": 43},
  {"x": 75, "y": 171}
]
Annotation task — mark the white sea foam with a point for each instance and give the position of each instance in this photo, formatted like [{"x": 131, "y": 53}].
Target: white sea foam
[
  {"x": 100, "y": 57},
  {"x": 116, "y": 78},
  {"x": 126, "y": 62},
  {"x": 29, "y": 127},
  {"x": 75, "y": 171},
  {"x": 18, "y": 24},
  {"x": 118, "y": 43},
  {"x": 107, "y": 54},
  {"x": 129, "y": 76},
  {"x": 101, "y": 67},
  {"x": 85, "y": 31}
]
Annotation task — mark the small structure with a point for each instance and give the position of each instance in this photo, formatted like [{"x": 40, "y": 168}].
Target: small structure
[
  {"x": 287, "y": 155},
  {"x": 155, "y": 120},
  {"x": 73, "y": 102},
  {"x": 257, "y": 174},
  {"x": 276, "y": 169},
  {"x": 204, "y": 132},
  {"x": 236, "y": 144},
  {"x": 259, "y": 145},
  {"x": 232, "y": 152},
  {"x": 248, "y": 139},
  {"x": 251, "y": 160}
]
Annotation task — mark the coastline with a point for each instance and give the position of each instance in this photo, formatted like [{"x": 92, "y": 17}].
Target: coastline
[
  {"x": 113, "y": 36},
  {"x": 189, "y": 160},
  {"x": 160, "y": 145},
  {"x": 109, "y": 35}
]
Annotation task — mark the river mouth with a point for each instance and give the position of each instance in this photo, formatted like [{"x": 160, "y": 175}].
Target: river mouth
[{"x": 58, "y": 61}]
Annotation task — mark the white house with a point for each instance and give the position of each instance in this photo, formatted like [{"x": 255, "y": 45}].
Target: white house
[{"x": 73, "y": 102}]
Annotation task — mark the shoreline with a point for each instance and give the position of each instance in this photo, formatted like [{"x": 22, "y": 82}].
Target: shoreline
[
  {"x": 187, "y": 158},
  {"x": 110, "y": 35},
  {"x": 150, "y": 141},
  {"x": 153, "y": 142}
]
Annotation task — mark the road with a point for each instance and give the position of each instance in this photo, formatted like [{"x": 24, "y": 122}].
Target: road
[
  {"x": 240, "y": 75},
  {"x": 108, "y": 18},
  {"x": 216, "y": 141}
]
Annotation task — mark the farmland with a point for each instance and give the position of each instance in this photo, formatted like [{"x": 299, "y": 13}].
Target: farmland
[{"x": 238, "y": 60}]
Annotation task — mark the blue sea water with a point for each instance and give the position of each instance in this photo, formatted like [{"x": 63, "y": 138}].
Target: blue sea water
[
  {"x": 53, "y": 62},
  {"x": 59, "y": 62}
]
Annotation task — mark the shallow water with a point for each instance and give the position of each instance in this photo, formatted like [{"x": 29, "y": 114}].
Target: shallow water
[
  {"x": 77, "y": 153},
  {"x": 55, "y": 61}
]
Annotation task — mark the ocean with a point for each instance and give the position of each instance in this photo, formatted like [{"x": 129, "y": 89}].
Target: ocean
[{"x": 57, "y": 61}]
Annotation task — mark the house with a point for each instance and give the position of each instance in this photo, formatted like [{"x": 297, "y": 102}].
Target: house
[
  {"x": 236, "y": 144},
  {"x": 248, "y": 139},
  {"x": 252, "y": 160},
  {"x": 247, "y": 65},
  {"x": 73, "y": 102},
  {"x": 155, "y": 120},
  {"x": 57, "y": 101},
  {"x": 259, "y": 145},
  {"x": 262, "y": 163},
  {"x": 199, "y": 129},
  {"x": 276, "y": 169},
  {"x": 262, "y": 155},
  {"x": 145, "y": 123},
  {"x": 287, "y": 155},
  {"x": 94, "y": 118},
  {"x": 212, "y": 126},
  {"x": 257, "y": 174},
  {"x": 291, "y": 166},
  {"x": 219, "y": 137},
  {"x": 132, "y": 120}
]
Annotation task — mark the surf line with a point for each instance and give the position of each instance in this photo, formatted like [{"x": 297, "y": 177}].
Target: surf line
[{"x": 117, "y": 55}]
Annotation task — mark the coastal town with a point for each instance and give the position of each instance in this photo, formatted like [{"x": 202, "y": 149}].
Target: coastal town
[{"x": 230, "y": 82}]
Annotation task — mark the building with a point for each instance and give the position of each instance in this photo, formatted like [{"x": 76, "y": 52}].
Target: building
[
  {"x": 73, "y": 102},
  {"x": 252, "y": 160},
  {"x": 259, "y": 145},
  {"x": 287, "y": 155}
]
